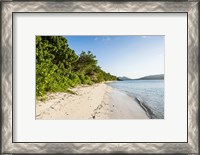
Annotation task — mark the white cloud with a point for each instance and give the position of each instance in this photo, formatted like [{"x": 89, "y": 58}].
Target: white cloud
[
  {"x": 106, "y": 39},
  {"x": 144, "y": 37},
  {"x": 101, "y": 38}
]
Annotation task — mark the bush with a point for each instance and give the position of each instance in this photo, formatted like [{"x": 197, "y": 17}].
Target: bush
[{"x": 58, "y": 68}]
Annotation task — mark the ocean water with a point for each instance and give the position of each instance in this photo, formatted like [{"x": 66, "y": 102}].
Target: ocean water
[{"x": 149, "y": 92}]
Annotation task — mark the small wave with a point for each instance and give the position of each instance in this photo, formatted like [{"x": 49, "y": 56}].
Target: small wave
[
  {"x": 149, "y": 104},
  {"x": 148, "y": 111}
]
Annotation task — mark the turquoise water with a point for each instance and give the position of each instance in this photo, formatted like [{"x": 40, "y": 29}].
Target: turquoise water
[{"x": 150, "y": 92}]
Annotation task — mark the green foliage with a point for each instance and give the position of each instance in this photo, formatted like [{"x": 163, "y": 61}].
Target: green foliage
[
  {"x": 59, "y": 68},
  {"x": 74, "y": 79},
  {"x": 85, "y": 79},
  {"x": 42, "y": 98}
]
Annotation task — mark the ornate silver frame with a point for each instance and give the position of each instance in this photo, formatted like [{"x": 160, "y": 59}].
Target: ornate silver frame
[{"x": 9, "y": 7}]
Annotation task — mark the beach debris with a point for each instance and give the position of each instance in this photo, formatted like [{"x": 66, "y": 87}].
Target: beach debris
[
  {"x": 71, "y": 92},
  {"x": 38, "y": 115},
  {"x": 93, "y": 117}
]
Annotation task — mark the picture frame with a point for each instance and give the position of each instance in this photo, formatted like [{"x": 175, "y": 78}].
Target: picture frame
[{"x": 9, "y": 8}]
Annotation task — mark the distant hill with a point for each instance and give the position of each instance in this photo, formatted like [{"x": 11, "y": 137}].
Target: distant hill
[
  {"x": 123, "y": 78},
  {"x": 152, "y": 77}
]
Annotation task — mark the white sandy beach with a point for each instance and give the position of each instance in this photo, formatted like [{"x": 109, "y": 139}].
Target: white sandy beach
[{"x": 98, "y": 101}]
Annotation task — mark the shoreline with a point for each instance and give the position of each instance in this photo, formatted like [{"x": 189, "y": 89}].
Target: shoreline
[
  {"x": 98, "y": 101},
  {"x": 148, "y": 111}
]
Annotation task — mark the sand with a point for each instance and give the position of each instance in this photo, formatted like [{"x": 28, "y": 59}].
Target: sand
[{"x": 98, "y": 101}]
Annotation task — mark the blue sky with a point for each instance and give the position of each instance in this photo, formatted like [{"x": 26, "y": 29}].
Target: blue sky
[{"x": 131, "y": 56}]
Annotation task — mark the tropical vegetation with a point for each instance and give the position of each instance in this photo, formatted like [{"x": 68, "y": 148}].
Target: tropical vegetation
[{"x": 59, "y": 68}]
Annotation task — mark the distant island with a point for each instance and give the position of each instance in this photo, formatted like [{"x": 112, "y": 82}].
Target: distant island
[
  {"x": 150, "y": 77},
  {"x": 123, "y": 78}
]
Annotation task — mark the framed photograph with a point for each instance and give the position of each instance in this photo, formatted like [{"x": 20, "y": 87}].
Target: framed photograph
[{"x": 99, "y": 77}]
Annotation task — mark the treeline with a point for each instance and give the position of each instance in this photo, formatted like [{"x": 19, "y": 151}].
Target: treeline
[{"x": 59, "y": 68}]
